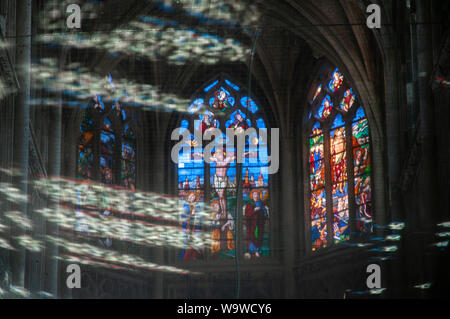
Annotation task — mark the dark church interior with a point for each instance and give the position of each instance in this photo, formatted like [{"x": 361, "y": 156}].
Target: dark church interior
[{"x": 223, "y": 149}]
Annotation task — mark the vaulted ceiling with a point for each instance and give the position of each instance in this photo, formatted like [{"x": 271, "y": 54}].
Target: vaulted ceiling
[{"x": 290, "y": 38}]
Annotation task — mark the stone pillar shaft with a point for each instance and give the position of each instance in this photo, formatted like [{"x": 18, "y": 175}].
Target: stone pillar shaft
[
  {"x": 426, "y": 109},
  {"x": 21, "y": 127}
]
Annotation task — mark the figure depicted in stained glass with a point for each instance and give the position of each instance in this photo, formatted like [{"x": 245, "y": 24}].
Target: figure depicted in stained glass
[
  {"x": 339, "y": 168},
  {"x": 221, "y": 102},
  {"x": 348, "y": 100},
  {"x": 327, "y": 108},
  {"x": 340, "y": 211},
  {"x": 318, "y": 205},
  {"x": 239, "y": 125},
  {"x": 360, "y": 132},
  {"x": 220, "y": 179},
  {"x": 98, "y": 103},
  {"x": 117, "y": 107},
  {"x": 338, "y": 141},
  {"x": 363, "y": 197},
  {"x": 338, "y": 161},
  {"x": 191, "y": 226},
  {"x": 318, "y": 175},
  {"x": 128, "y": 153},
  {"x": 208, "y": 121},
  {"x": 223, "y": 225},
  {"x": 118, "y": 110},
  {"x": 316, "y": 152},
  {"x": 361, "y": 161},
  {"x": 341, "y": 229},
  {"x": 336, "y": 81},
  {"x": 255, "y": 219},
  {"x": 316, "y": 163},
  {"x": 318, "y": 233}
]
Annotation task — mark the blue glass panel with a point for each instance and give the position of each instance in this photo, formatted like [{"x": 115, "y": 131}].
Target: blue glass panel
[
  {"x": 234, "y": 86},
  {"x": 359, "y": 114},
  {"x": 338, "y": 121},
  {"x": 250, "y": 104},
  {"x": 211, "y": 101},
  {"x": 260, "y": 123}
]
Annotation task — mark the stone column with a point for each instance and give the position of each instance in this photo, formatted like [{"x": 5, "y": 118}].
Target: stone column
[
  {"x": 392, "y": 139},
  {"x": 21, "y": 126},
  {"x": 54, "y": 170},
  {"x": 157, "y": 146},
  {"x": 426, "y": 130},
  {"x": 289, "y": 207}
]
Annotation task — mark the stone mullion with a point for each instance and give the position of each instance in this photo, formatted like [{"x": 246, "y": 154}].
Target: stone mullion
[
  {"x": 54, "y": 169},
  {"x": 427, "y": 132},
  {"x": 350, "y": 178},
  {"x": 328, "y": 185},
  {"x": 239, "y": 225},
  {"x": 207, "y": 186},
  {"x": 206, "y": 182},
  {"x": 21, "y": 131}
]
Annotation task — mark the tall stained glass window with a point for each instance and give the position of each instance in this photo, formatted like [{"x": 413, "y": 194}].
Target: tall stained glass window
[
  {"x": 339, "y": 164},
  {"x": 107, "y": 155},
  {"x": 208, "y": 191}
]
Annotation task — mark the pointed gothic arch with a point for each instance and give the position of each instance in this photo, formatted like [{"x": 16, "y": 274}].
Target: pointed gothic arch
[
  {"x": 338, "y": 168},
  {"x": 223, "y": 191}
]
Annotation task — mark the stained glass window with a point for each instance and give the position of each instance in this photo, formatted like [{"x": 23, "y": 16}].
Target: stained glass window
[
  {"x": 106, "y": 154},
  {"x": 211, "y": 206},
  {"x": 339, "y": 164}
]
